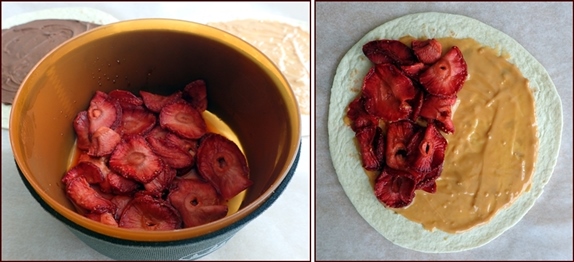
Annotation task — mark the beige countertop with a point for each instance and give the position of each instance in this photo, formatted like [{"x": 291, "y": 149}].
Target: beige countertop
[{"x": 545, "y": 232}]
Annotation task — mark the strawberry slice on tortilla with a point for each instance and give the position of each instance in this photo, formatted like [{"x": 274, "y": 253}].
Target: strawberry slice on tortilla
[
  {"x": 439, "y": 109},
  {"x": 197, "y": 202},
  {"x": 399, "y": 135},
  {"x": 427, "y": 51},
  {"x": 222, "y": 163},
  {"x": 394, "y": 188},
  {"x": 387, "y": 93},
  {"x": 446, "y": 76},
  {"x": 389, "y": 51},
  {"x": 426, "y": 150},
  {"x": 358, "y": 116}
]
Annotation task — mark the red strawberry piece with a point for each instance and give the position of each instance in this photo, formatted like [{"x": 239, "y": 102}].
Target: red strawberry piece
[
  {"x": 104, "y": 140},
  {"x": 103, "y": 112},
  {"x": 414, "y": 70},
  {"x": 126, "y": 99},
  {"x": 148, "y": 213},
  {"x": 416, "y": 105},
  {"x": 134, "y": 159},
  {"x": 155, "y": 102},
  {"x": 136, "y": 121},
  {"x": 120, "y": 185},
  {"x": 399, "y": 134},
  {"x": 182, "y": 119},
  {"x": 428, "y": 182},
  {"x": 427, "y": 51},
  {"x": 222, "y": 163},
  {"x": 446, "y": 76},
  {"x": 88, "y": 170},
  {"x": 196, "y": 94},
  {"x": 389, "y": 51},
  {"x": 191, "y": 174},
  {"x": 104, "y": 218},
  {"x": 358, "y": 116},
  {"x": 366, "y": 138},
  {"x": 157, "y": 132},
  {"x": 170, "y": 153},
  {"x": 426, "y": 152},
  {"x": 82, "y": 129},
  {"x": 188, "y": 145},
  {"x": 386, "y": 91},
  {"x": 80, "y": 192},
  {"x": 440, "y": 109},
  {"x": 160, "y": 183},
  {"x": 394, "y": 188},
  {"x": 121, "y": 201},
  {"x": 197, "y": 202}
]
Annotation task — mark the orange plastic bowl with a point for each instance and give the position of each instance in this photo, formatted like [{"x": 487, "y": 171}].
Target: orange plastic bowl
[{"x": 245, "y": 90}]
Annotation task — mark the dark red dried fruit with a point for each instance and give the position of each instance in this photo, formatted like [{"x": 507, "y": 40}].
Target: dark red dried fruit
[
  {"x": 155, "y": 102},
  {"x": 439, "y": 109},
  {"x": 79, "y": 191},
  {"x": 222, "y": 163},
  {"x": 182, "y": 119},
  {"x": 134, "y": 159},
  {"x": 161, "y": 182},
  {"x": 387, "y": 91},
  {"x": 394, "y": 188},
  {"x": 358, "y": 116},
  {"x": 427, "y": 51},
  {"x": 389, "y": 51},
  {"x": 103, "y": 141},
  {"x": 103, "y": 112},
  {"x": 82, "y": 128},
  {"x": 447, "y": 76},
  {"x": 426, "y": 150},
  {"x": 196, "y": 94},
  {"x": 170, "y": 153},
  {"x": 399, "y": 135},
  {"x": 148, "y": 213},
  {"x": 136, "y": 121},
  {"x": 197, "y": 202},
  {"x": 88, "y": 170},
  {"x": 125, "y": 98}
]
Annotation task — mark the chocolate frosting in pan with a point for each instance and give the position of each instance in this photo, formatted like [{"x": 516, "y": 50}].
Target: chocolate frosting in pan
[{"x": 24, "y": 45}]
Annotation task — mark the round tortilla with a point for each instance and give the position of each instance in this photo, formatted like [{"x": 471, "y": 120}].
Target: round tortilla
[
  {"x": 346, "y": 159},
  {"x": 83, "y": 14}
]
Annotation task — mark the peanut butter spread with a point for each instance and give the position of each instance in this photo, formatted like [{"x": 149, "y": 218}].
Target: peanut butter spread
[
  {"x": 286, "y": 45},
  {"x": 490, "y": 157}
]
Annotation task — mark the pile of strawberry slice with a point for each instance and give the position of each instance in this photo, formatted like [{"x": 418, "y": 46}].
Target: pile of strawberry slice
[
  {"x": 406, "y": 98},
  {"x": 147, "y": 162}
]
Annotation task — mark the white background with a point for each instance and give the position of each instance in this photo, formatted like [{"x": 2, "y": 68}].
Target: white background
[{"x": 281, "y": 233}]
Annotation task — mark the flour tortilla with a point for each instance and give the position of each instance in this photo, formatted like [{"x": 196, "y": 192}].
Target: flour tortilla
[
  {"x": 83, "y": 14},
  {"x": 347, "y": 162}
]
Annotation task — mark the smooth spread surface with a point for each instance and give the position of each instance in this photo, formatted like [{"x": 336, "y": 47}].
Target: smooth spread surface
[
  {"x": 288, "y": 46},
  {"x": 490, "y": 156},
  {"x": 345, "y": 158},
  {"x": 24, "y": 45}
]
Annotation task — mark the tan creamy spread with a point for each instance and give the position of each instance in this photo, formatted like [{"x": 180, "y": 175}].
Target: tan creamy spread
[
  {"x": 286, "y": 45},
  {"x": 490, "y": 157}
]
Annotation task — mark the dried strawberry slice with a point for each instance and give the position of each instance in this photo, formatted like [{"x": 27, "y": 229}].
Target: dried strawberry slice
[
  {"x": 399, "y": 134},
  {"x": 104, "y": 218},
  {"x": 440, "y": 109},
  {"x": 155, "y": 102},
  {"x": 84, "y": 196},
  {"x": 414, "y": 70},
  {"x": 428, "y": 182},
  {"x": 82, "y": 129},
  {"x": 121, "y": 201},
  {"x": 394, "y": 188},
  {"x": 389, "y": 51},
  {"x": 136, "y": 121},
  {"x": 170, "y": 153},
  {"x": 182, "y": 119},
  {"x": 196, "y": 94},
  {"x": 134, "y": 159},
  {"x": 160, "y": 183},
  {"x": 188, "y": 145},
  {"x": 103, "y": 112},
  {"x": 358, "y": 116},
  {"x": 126, "y": 99},
  {"x": 120, "y": 185},
  {"x": 426, "y": 152},
  {"x": 197, "y": 202},
  {"x": 386, "y": 91},
  {"x": 88, "y": 170},
  {"x": 446, "y": 76},
  {"x": 148, "y": 213},
  {"x": 427, "y": 51},
  {"x": 157, "y": 132},
  {"x": 220, "y": 161},
  {"x": 104, "y": 141},
  {"x": 369, "y": 143}
]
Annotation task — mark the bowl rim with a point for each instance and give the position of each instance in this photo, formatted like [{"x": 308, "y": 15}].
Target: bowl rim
[{"x": 177, "y": 27}]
